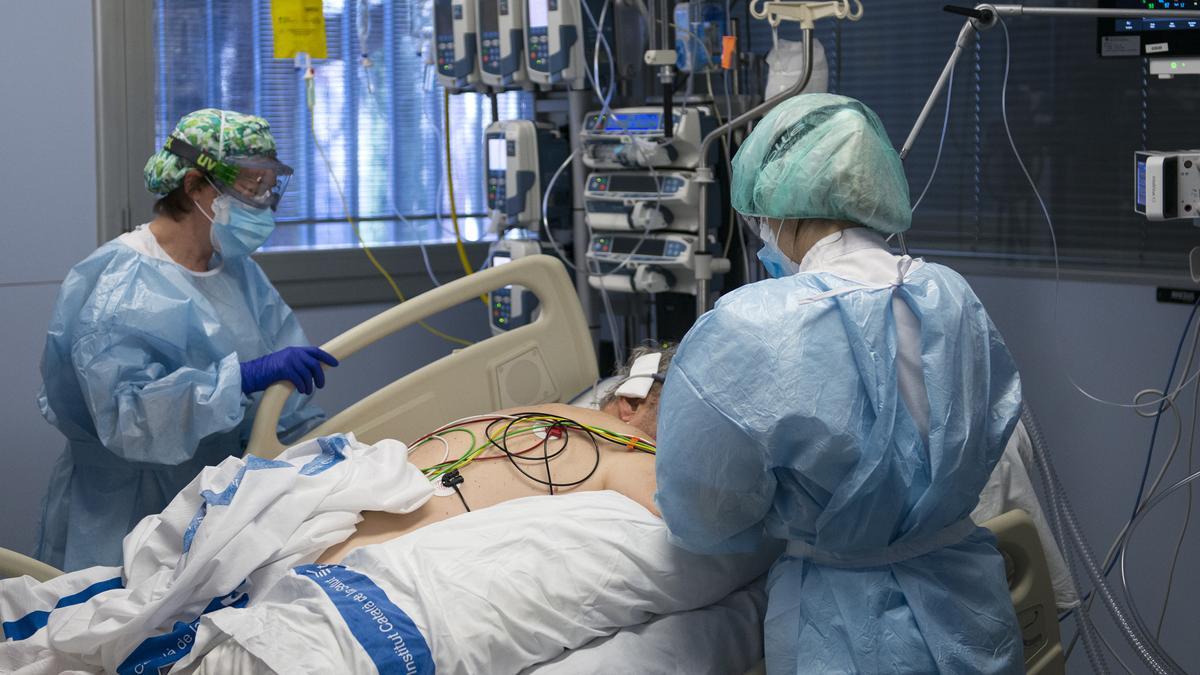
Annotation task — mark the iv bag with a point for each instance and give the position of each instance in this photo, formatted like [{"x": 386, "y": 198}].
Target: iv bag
[{"x": 786, "y": 66}]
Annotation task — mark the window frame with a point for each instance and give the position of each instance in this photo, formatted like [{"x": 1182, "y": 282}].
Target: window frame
[
  {"x": 125, "y": 112},
  {"x": 125, "y": 105}
]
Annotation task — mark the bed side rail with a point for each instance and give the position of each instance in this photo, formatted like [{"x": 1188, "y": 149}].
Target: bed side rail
[{"x": 549, "y": 360}]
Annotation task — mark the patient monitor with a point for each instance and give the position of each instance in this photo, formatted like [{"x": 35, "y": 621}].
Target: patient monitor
[
  {"x": 454, "y": 39},
  {"x": 1167, "y": 184}
]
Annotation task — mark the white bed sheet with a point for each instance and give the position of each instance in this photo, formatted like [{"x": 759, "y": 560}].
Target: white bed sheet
[
  {"x": 475, "y": 594},
  {"x": 721, "y": 639}
]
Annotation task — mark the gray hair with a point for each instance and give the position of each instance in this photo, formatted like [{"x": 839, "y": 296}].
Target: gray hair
[{"x": 667, "y": 349}]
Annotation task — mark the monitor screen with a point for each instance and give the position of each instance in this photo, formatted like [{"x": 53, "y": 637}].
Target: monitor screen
[
  {"x": 489, "y": 19},
  {"x": 497, "y": 156},
  {"x": 643, "y": 183},
  {"x": 1141, "y": 183},
  {"x": 1154, "y": 36},
  {"x": 539, "y": 13},
  {"x": 633, "y": 122},
  {"x": 500, "y": 258},
  {"x": 654, "y": 247},
  {"x": 443, "y": 18}
]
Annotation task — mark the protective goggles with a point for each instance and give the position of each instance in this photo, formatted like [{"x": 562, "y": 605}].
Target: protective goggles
[{"x": 258, "y": 181}]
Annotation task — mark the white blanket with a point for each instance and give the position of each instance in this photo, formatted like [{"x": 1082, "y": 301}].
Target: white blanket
[
  {"x": 474, "y": 594},
  {"x": 224, "y": 540}
]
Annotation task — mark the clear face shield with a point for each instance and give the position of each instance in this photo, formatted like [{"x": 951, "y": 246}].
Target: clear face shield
[
  {"x": 761, "y": 228},
  {"x": 258, "y": 181}
]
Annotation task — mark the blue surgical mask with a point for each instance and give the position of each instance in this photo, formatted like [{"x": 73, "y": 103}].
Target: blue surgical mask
[
  {"x": 777, "y": 264},
  {"x": 238, "y": 230}
]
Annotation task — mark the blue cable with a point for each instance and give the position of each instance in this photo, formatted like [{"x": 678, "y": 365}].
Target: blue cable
[{"x": 1153, "y": 437}]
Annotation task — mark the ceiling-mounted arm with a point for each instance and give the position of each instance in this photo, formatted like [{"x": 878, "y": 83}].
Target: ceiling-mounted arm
[{"x": 984, "y": 16}]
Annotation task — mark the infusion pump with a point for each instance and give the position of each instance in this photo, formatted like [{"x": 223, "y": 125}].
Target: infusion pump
[
  {"x": 521, "y": 155},
  {"x": 630, "y": 138},
  {"x": 502, "y": 42},
  {"x": 642, "y": 201},
  {"x": 455, "y": 43},
  {"x": 554, "y": 42},
  {"x": 643, "y": 263}
]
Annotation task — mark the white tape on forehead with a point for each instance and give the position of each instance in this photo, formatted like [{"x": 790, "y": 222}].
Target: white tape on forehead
[{"x": 641, "y": 377}]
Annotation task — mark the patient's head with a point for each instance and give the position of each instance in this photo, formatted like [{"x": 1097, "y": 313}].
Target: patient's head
[{"x": 641, "y": 413}]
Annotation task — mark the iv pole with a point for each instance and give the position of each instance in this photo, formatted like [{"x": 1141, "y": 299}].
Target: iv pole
[{"x": 806, "y": 12}]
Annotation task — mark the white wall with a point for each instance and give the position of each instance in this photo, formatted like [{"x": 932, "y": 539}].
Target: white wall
[
  {"x": 1115, "y": 340},
  {"x": 48, "y": 193}
]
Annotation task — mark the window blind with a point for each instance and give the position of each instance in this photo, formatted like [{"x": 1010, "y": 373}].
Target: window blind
[
  {"x": 1077, "y": 119},
  {"x": 380, "y": 129}
]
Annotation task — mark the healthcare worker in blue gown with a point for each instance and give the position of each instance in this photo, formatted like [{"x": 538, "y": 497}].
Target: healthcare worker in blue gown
[
  {"x": 854, "y": 406},
  {"x": 162, "y": 339}
]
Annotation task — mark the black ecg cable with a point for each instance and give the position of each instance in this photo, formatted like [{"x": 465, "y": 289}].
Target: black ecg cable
[
  {"x": 561, "y": 424},
  {"x": 452, "y": 479}
]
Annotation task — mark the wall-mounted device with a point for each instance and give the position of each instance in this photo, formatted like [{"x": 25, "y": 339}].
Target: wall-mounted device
[
  {"x": 511, "y": 306},
  {"x": 1167, "y": 184},
  {"x": 455, "y": 42},
  {"x": 1153, "y": 36},
  {"x": 633, "y": 137},
  {"x": 642, "y": 201},
  {"x": 521, "y": 156},
  {"x": 554, "y": 42},
  {"x": 501, "y": 42}
]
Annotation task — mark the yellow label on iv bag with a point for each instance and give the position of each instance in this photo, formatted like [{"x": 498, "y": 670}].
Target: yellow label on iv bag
[{"x": 298, "y": 26}]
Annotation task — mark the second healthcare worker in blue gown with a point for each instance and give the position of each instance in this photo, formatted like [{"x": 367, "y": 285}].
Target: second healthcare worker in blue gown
[
  {"x": 853, "y": 406},
  {"x": 162, "y": 338}
]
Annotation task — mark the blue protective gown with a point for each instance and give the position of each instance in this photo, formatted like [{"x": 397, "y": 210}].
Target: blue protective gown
[
  {"x": 140, "y": 373},
  {"x": 786, "y": 414}
]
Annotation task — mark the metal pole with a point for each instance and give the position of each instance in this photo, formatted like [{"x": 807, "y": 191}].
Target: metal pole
[
  {"x": 576, "y": 107},
  {"x": 967, "y": 32},
  {"x": 704, "y": 174},
  {"x": 1086, "y": 12}
]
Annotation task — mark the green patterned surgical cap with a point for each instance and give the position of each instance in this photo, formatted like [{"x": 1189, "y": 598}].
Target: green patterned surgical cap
[{"x": 242, "y": 136}]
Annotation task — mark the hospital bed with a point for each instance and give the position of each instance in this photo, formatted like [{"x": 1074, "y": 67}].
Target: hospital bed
[{"x": 552, "y": 360}]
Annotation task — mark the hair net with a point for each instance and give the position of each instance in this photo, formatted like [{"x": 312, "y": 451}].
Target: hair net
[
  {"x": 822, "y": 156},
  {"x": 242, "y": 135}
]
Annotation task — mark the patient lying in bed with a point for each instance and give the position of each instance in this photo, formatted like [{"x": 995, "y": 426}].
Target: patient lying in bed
[{"x": 493, "y": 479}]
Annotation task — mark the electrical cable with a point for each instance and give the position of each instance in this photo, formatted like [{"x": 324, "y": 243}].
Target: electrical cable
[
  {"x": 364, "y": 33},
  {"x": 1111, "y": 556},
  {"x": 1054, "y": 246},
  {"x": 458, "y": 242},
  {"x": 545, "y": 206},
  {"x": 1187, "y": 514},
  {"x": 310, "y": 91},
  {"x": 941, "y": 143},
  {"x": 1151, "y": 505},
  {"x": 396, "y": 209},
  {"x": 1146, "y": 646},
  {"x": 461, "y": 498}
]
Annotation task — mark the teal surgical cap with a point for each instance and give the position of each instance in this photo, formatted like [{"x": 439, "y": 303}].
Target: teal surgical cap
[{"x": 822, "y": 156}]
